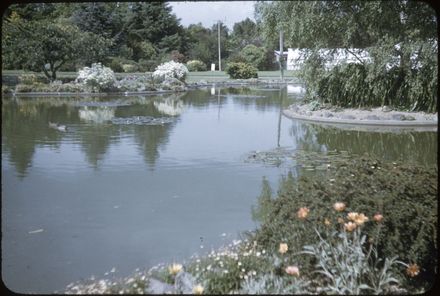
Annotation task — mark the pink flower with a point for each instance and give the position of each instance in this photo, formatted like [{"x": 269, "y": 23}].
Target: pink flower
[
  {"x": 339, "y": 206},
  {"x": 303, "y": 212},
  {"x": 292, "y": 270}
]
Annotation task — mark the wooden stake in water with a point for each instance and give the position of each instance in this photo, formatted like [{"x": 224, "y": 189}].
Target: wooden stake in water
[
  {"x": 281, "y": 59},
  {"x": 219, "y": 54}
]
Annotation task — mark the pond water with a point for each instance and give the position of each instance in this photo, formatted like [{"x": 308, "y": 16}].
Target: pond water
[{"x": 135, "y": 181}]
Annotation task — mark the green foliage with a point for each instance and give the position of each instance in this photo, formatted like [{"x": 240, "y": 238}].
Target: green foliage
[
  {"x": 116, "y": 65},
  {"x": 256, "y": 56},
  {"x": 261, "y": 213},
  {"x": 273, "y": 284},
  {"x": 241, "y": 71},
  {"x": 349, "y": 267},
  {"x": 28, "y": 79},
  {"x": 52, "y": 43},
  {"x": 130, "y": 68},
  {"x": 196, "y": 65},
  {"x": 404, "y": 194},
  {"x": 400, "y": 36}
]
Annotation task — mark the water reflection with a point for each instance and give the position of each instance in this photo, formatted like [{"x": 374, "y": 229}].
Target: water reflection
[
  {"x": 124, "y": 215},
  {"x": 25, "y": 126},
  {"x": 408, "y": 146},
  {"x": 96, "y": 115}
]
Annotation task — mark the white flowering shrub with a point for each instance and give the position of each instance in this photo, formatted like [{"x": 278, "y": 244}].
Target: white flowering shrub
[
  {"x": 97, "y": 77},
  {"x": 171, "y": 70}
]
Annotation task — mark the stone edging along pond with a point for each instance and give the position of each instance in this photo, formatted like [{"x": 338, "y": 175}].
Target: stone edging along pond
[
  {"x": 374, "y": 118},
  {"x": 189, "y": 86}
]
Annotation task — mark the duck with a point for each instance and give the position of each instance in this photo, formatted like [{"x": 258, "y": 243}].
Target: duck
[{"x": 60, "y": 127}]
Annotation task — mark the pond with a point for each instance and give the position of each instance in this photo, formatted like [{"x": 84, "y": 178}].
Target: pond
[{"x": 135, "y": 181}]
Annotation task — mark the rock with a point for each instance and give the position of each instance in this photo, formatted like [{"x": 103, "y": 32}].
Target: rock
[
  {"x": 347, "y": 116},
  {"x": 408, "y": 117},
  {"x": 398, "y": 117},
  {"x": 185, "y": 282},
  {"x": 386, "y": 109},
  {"x": 372, "y": 117},
  {"x": 328, "y": 114},
  {"x": 158, "y": 287}
]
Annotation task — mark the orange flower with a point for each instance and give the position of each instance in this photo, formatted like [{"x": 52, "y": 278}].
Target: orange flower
[
  {"x": 303, "y": 212},
  {"x": 350, "y": 226},
  {"x": 292, "y": 270},
  {"x": 283, "y": 248},
  {"x": 413, "y": 270},
  {"x": 352, "y": 216},
  {"x": 339, "y": 206},
  {"x": 361, "y": 219},
  {"x": 327, "y": 222},
  {"x": 378, "y": 218}
]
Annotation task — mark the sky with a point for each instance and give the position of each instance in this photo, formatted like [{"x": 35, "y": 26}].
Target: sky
[{"x": 209, "y": 12}]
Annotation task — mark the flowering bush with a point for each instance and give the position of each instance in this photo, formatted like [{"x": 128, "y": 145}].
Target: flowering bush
[
  {"x": 170, "y": 70},
  {"x": 97, "y": 77}
]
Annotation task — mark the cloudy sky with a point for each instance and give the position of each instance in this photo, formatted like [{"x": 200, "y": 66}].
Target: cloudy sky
[{"x": 208, "y": 13}]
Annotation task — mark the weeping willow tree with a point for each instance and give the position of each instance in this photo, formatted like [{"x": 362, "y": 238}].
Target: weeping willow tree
[{"x": 400, "y": 37}]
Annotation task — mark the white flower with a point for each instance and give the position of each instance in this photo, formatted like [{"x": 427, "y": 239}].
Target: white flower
[{"x": 97, "y": 77}]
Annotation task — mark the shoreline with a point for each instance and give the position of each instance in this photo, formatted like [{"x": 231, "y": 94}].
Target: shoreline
[
  {"x": 190, "y": 86},
  {"x": 357, "y": 119}
]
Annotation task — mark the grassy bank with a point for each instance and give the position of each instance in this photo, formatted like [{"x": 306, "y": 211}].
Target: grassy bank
[
  {"x": 358, "y": 227},
  {"x": 10, "y": 77}
]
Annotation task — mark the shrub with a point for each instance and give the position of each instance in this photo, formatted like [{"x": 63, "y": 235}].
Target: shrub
[
  {"x": 69, "y": 87},
  {"x": 96, "y": 78},
  {"x": 170, "y": 70},
  {"x": 135, "y": 83},
  {"x": 147, "y": 65},
  {"x": 196, "y": 65},
  {"x": 348, "y": 267},
  {"x": 116, "y": 66},
  {"x": 130, "y": 68},
  {"x": 241, "y": 71},
  {"x": 406, "y": 195},
  {"x": 28, "y": 79},
  {"x": 34, "y": 87}
]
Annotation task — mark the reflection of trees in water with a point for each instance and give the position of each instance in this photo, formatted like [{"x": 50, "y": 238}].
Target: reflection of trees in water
[
  {"x": 150, "y": 139},
  {"x": 95, "y": 140},
  {"x": 418, "y": 147},
  {"x": 25, "y": 126},
  {"x": 203, "y": 98},
  {"x": 304, "y": 137}
]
